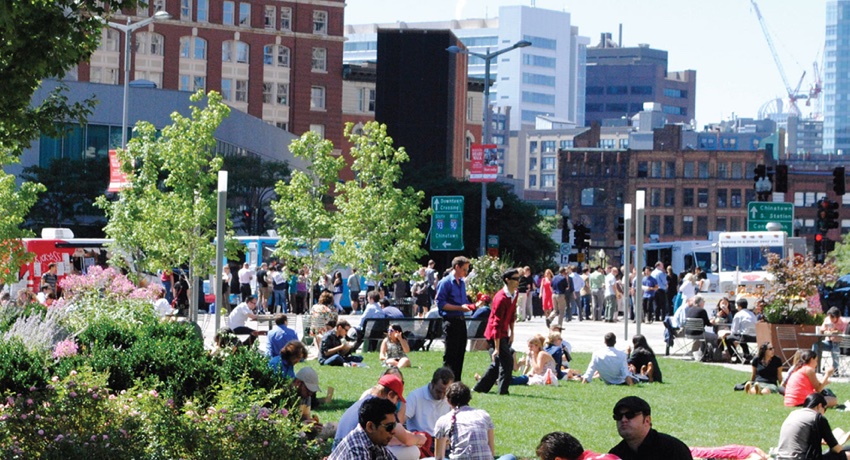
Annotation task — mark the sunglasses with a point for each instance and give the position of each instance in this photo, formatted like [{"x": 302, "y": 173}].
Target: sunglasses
[
  {"x": 389, "y": 426},
  {"x": 514, "y": 278},
  {"x": 629, "y": 415}
]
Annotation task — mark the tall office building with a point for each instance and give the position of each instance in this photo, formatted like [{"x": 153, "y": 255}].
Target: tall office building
[
  {"x": 836, "y": 84},
  {"x": 546, "y": 78}
]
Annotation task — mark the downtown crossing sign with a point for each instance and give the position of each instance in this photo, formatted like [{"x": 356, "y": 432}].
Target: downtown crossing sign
[{"x": 447, "y": 223}]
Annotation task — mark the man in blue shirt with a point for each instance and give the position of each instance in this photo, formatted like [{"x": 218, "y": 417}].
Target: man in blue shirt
[
  {"x": 650, "y": 285},
  {"x": 560, "y": 284},
  {"x": 452, "y": 304},
  {"x": 660, "y": 276},
  {"x": 280, "y": 336}
]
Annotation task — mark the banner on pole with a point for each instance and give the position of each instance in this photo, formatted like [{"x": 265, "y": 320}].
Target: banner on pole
[
  {"x": 117, "y": 179},
  {"x": 483, "y": 165}
]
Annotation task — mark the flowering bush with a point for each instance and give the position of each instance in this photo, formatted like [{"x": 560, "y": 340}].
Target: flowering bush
[
  {"x": 486, "y": 276},
  {"x": 65, "y": 349},
  {"x": 39, "y": 331},
  {"x": 795, "y": 281},
  {"x": 79, "y": 417}
]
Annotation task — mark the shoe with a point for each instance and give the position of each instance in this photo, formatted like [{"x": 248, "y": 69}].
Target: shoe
[
  {"x": 548, "y": 323},
  {"x": 747, "y": 387}
]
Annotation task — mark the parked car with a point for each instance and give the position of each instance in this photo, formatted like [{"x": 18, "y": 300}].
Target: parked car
[{"x": 839, "y": 295}]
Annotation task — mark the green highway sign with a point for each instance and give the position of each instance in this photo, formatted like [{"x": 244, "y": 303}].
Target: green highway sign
[
  {"x": 447, "y": 223},
  {"x": 759, "y": 213}
]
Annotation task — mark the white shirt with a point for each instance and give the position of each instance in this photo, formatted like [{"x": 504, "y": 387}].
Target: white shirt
[
  {"x": 610, "y": 281},
  {"x": 744, "y": 322},
  {"x": 612, "y": 365},
  {"x": 423, "y": 411},
  {"x": 578, "y": 282},
  {"x": 161, "y": 307},
  {"x": 239, "y": 315},
  {"x": 245, "y": 275},
  {"x": 687, "y": 289}
]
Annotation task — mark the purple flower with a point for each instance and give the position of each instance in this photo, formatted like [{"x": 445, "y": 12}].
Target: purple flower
[
  {"x": 29, "y": 402},
  {"x": 23, "y": 416},
  {"x": 73, "y": 394},
  {"x": 105, "y": 437},
  {"x": 59, "y": 438},
  {"x": 41, "y": 432}
]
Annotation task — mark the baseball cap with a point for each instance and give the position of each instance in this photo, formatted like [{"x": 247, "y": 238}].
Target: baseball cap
[
  {"x": 393, "y": 383},
  {"x": 310, "y": 378},
  {"x": 633, "y": 403}
]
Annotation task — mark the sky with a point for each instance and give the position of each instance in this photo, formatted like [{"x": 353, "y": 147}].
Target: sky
[{"x": 720, "y": 39}]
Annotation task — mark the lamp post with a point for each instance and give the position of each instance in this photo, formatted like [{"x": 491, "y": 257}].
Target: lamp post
[
  {"x": 128, "y": 30},
  {"x": 486, "y": 131}
]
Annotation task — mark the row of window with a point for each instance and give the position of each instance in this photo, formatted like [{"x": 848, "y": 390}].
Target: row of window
[
  {"x": 538, "y": 98},
  {"x": 699, "y": 197},
  {"x": 618, "y": 90},
  {"x": 241, "y": 16},
  {"x": 236, "y": 90},
  {"x": 546, "y": 180},
  {"x": 549, "y": 146},
  {"x": 547, "y": 165},
  {"x": 695, "y": 170}
]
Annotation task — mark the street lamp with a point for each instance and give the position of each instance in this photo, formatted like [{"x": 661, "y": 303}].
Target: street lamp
[
  {"x": 128, "y": 30},
  {"x": 486, "y": 131}
]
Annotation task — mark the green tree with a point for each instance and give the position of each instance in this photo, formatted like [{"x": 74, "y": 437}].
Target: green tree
[
  {"x": 377, "y": 226},
  {"x": 170, "y": 222},
  {"x": 841, "y": 255},
  {"x": 250, "y": 183},
  {"x": 301, "y": 214},
  {"x": 72, "y": 186}
]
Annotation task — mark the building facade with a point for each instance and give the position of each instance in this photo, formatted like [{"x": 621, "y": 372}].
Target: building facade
[
  {"x": 621, "y": 80},
  {"x": 836, "y": 85},
  {"x": 280, "y": 61},
  {"x": 546, "y": 78}
]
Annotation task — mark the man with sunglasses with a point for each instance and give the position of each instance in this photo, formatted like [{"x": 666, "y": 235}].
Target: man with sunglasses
[
  {"x": 376, "y": 422},
  {"x": 500, "y": 335},
  {"x": 640, "y": 440}
]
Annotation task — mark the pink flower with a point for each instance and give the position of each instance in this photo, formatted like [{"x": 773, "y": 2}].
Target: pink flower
[
  {"x": 73, "y": 394},
  {"x": 265, "y": 443},
  {"x": 65, "y": 349},
  {"x": 41, "y": 432},
  {"x": 59, "y": 438},
  {"x": 153, "y": 393},
  {"x": 29, "y": 402},
  {"x": 73, "y": 373}
]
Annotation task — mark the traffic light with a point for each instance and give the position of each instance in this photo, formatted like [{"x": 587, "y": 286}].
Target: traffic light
[
  {"x": 781, "y": 179},
  {"x": 759, "y": 172},
  {"x": 261, "y": 221},
  {"x": 818, "y": 251},
  {"x": 838, "y": 183},
  {"x": 247, "y": 221},
  {"x": 582, "y": 237},
  {"x": 621, "y": 228}
]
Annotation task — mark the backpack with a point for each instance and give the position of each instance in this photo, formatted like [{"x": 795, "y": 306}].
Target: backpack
[{"x": 713, "y": 354}]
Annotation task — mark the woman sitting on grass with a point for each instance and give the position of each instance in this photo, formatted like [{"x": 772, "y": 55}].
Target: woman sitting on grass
[
  {"x": 539, "y": 367},
  {"x": 767, "y": 372},
  {"x": 803, "y": 381},
  {"x": 642, "y": 360},
  {"x": 394, "y": 348},
  {"x": 464, "y": 432},
  {"x": 291, "y": 354}
]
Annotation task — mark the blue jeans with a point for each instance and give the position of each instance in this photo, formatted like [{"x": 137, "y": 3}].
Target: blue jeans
[
  {"x": 339, "y": 360},
  {"x": 832, "y": 347},
  {"x": 278, "y": 298}
]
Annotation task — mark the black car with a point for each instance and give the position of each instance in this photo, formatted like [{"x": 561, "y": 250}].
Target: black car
[{"x": 839, "y": 295}]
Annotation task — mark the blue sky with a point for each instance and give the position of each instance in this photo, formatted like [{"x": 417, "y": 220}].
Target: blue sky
[{"x": 720, "y": 39}]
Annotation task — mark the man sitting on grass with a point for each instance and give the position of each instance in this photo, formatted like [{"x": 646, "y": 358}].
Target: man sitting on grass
[
  {"x": 611, "y": 363},
  {"x": 334, "y": 350},
  {"x": 376, "y": 422},
  {"x": 640, "y": 440}
]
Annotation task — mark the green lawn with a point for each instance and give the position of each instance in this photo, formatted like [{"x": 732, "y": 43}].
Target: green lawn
[{"x": 695, "y": 403}]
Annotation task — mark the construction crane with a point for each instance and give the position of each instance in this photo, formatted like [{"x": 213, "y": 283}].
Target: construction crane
[{"x": 793, "y": 94}]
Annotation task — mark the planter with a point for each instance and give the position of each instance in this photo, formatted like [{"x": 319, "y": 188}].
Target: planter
[{"x": 767, "y": 332}]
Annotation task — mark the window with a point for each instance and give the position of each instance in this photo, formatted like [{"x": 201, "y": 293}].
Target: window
[
  {"x": 547, "y": 180},
  {"x": 104, "y": 75},
  {"x": 186, "y": 10},
  {"x": 245, "y": 14},
  {"x": 532, "y": 180},
  {"x": 532, "y": 164},
  {"x": 645, "y": 90},
  {"x": 367, "y": 100},
  {"x": 318, "y": 129},
  {"x": 687, "y": 225},
  {"x": 242, "y": 49},
  {"x": 158, "y": 5},
  {"x": 110, "y": 42},
  {"x": 532, "y": 147},
  {"x": 149, "y": 43},
  {"x": 547, "y": 146},
  {"x": 268, "y": 93},
  {"x": 320, "y": 60},
  {"x": 670, "y": 169},
  {"x": 702, "y": 198},
  {"x": 537, "y": 79},
  {"x": 184, "y": 83},
  {"x": 734, "y": 224},
  {"x": 654, "y": 225},
  {"x": 538, "y": 98},
  {"x": 227, "y": 13},
  {"x": 538, "y": 61},
  {"x": 241, "y": 91},
  {"x": 722, "y": 170},
  {"x": 270, "y": 17},
  {"x": 720, "y": 224},
  {"x": 669, "y": 197},
  {"x": 285, "y": 18},
  {"x": 317, "y": 98},
  {"x": 689, "y": 170},
  {"x": 676, "y": 93},
  {"x": 655, "y": 197},
  {"x": 227, "y": 89},
  {"x": 736, "y": 198},
  {"x": 655, "y": 169},
  {"x": 703, "y": 169},
  {"x": 282, "y": 94},
  {"x": 566, "y": 144},
  {"x": 807, "y": 198},
  {"x": 142, "y": 9},
  {"x": 537, "y": 42},
  {"x": 548, "y": 164},
  {"x": 192, "y": 83},
  {"x": 737, "y": 171},
  {"x": 594, "y": 91},
  {"x": 643, "y": 169},
  {"x": 226, "y": 51},
  {"x": 749, "y": 196},
  {"x": 702, "y": 225},
  {"x": 203, "y": 10},
  {"x": 669, "y": 227},
  {"x": 320, "y": 22},
  {"x": 617, "y": 90},
  {"x": 688, "y": 197},
  {"x": 722, "y": 197}
]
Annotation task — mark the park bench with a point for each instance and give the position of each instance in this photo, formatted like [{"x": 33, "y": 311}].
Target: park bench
[{"x": 420, "y": 332}]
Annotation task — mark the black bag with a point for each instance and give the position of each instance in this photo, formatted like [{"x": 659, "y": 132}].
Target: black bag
[{"x": 713, "y": 354}]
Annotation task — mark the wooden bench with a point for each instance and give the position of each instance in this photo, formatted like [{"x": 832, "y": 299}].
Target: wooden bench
[{"x": 420, "y": 332}]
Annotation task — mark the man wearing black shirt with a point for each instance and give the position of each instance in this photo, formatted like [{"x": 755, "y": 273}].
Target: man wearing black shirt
[{"x": 640, "y": 440}]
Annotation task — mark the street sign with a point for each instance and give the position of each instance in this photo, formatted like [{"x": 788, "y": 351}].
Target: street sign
[
  {"x": 566, "y": 248},
  {"x": 759, "y": 213},
  {"x": 447, "y": 223},
  {"x": 492, "y": 241}
]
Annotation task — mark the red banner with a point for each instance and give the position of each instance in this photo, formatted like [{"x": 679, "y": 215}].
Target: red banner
[
  {"x": 117, "y": 179},
  {"x": 483, "y": 167}
]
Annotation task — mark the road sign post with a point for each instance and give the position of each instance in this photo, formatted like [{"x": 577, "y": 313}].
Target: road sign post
[
  {"x": 447, "y": 223},
  {"x": 759, "y": 213}
]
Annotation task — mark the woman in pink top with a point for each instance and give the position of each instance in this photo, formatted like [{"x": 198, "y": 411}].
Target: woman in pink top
[
  {"x": 803, "y": 380},
  {"x": 546, "y": 292}
]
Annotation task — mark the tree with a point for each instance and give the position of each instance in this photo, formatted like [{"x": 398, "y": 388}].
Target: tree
[
  {"x": 171, "y": 222},
  {"x": 377, "y": 226},
  {"x": 250, "y": 184},
  {"x": 841, "y": 255},
  {"x": 72, "y": 186},
  {"x": 301, "y": 213}
]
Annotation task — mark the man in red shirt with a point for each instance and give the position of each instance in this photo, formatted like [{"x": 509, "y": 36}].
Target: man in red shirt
[{"x": 500, "y": 335}]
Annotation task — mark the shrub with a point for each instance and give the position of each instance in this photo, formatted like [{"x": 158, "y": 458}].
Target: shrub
[{"x": 21, "y": 368}]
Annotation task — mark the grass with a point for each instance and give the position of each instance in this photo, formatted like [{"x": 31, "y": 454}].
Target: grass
[{"x": 695, "y": 403}]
